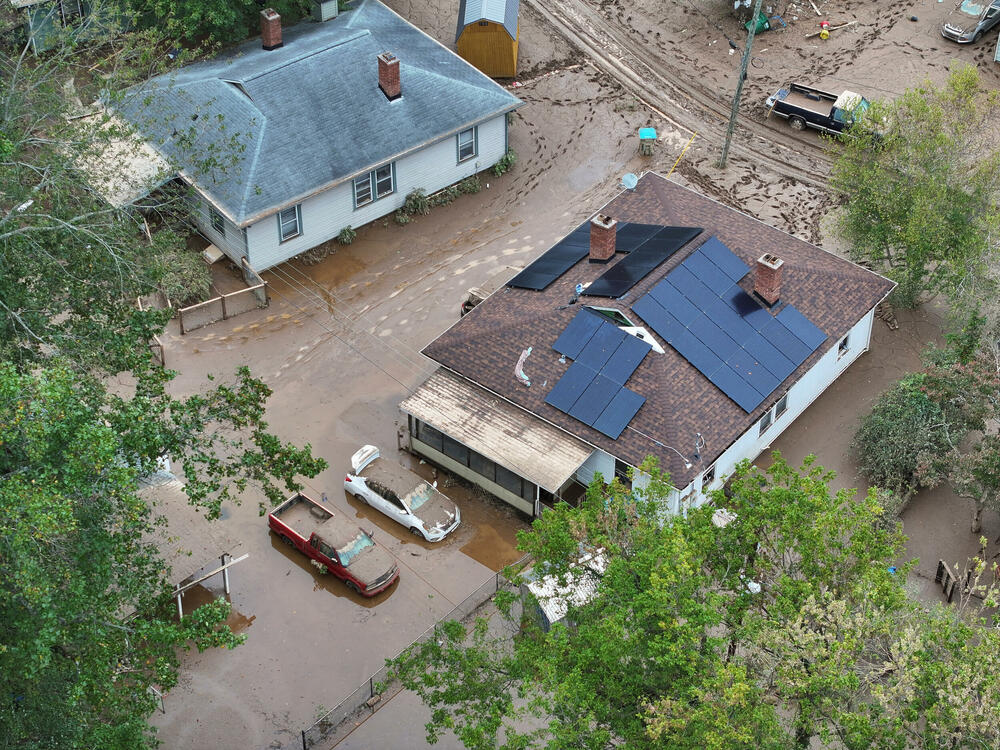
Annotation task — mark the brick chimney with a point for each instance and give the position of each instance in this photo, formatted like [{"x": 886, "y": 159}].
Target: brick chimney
[
  {"x": 767, "y": 277},
  {"x": 270, "y": 29},
  {"x": 388, "y": 75},
  {"x": 602, "y": 238}
]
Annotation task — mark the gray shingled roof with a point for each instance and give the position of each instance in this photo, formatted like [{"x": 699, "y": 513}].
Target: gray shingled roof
[
  {"x": 309, "y": 114},
  {"x": 498, "y": 11}
]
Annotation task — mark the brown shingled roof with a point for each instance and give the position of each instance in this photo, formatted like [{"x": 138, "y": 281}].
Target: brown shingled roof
[{"x": 484, "y": 346}]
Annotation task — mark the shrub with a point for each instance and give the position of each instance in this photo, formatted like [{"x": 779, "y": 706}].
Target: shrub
[
  {"x": 505, "y": 163},
  {"x": 446, "y": 196},
  {"x": 416, "y": 203},
  {"x": 347, "y": 235},
  {"x": 470, "y": 185},
  {"x": 402, "y": 217}
]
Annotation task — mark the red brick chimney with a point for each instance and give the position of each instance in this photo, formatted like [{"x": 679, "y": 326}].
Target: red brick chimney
[
  {"x": 388, "y": 75},
  {"x": 767, "y": 277},
  {"x": 602, "y": 238},
  {"x": 270, "y": 29}
]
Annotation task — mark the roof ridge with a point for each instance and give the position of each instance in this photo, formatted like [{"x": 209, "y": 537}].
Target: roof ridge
[
  {"x": 253, "y": 169},
  {"x": 307, "y": 54}
]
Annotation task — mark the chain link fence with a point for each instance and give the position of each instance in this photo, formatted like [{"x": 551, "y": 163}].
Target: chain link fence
[{"x": 377, "y": 690}]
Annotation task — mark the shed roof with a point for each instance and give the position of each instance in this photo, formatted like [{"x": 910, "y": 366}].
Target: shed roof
[
  {"x": 499, "y": 11},
  {"x": 680, "y": 401},
  {"x": 258, "y": 130},
  {"x": 497, "y": 429}
]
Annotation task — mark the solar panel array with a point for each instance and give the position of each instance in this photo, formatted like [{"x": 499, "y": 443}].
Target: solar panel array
[
  {"x": 593, "y": 389},
  {"x": 650, "y": 252},
  {"x": 737, "y": 344},
  {"x": 647, "y": 245},
  {"x": 555, "y": 261}
]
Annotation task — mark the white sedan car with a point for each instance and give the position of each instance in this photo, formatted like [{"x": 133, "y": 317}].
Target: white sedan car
[{"x": 401, "y": 495}]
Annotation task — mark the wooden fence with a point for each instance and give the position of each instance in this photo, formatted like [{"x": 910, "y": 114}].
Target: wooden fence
[{"x": 226, "y": 305}]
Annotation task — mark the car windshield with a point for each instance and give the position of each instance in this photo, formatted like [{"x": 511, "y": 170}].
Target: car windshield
[
  {"x": 354, "y": 548},
  {"x": 970, "y": 8},
  {"x": 420, "y": 495}
]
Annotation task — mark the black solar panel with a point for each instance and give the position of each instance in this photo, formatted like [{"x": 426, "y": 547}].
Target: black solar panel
[
  {"x": 641, "y": 260},
  {"x": 722, "y": 331},
  {"x": 555, "y": 261},
  {"x": 591, "y": 389},
  {"x": 616, "y": 415},
  {"x": 576, "y": 335}
]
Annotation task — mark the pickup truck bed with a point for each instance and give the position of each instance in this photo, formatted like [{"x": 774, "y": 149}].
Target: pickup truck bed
[
  {"x": 303, "y": 516},
  {"x": 821, "y": 106}
]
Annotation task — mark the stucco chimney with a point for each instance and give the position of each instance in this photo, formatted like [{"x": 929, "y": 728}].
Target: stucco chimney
[
  {"x": 767, "y": 277},
  {"x": 602, "y": 238},
  {"x": 388, "y": 75},
  {"x": 270, "y": 29}
]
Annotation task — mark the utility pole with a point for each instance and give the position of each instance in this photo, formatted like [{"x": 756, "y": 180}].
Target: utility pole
[{"x": 739, "y": 85}]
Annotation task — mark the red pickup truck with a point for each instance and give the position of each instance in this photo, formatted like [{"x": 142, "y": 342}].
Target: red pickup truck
[{"x": 348, "y": 552}]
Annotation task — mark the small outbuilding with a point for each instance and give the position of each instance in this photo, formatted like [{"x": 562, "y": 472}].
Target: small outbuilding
[{"x": 487, "y": 35}]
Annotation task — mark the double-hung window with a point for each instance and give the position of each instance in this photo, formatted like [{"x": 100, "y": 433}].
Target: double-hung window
[
  {"x": 373, "y": 185},
  {"x": 218, "y": 223},
  {"x": 289, "y": 222},
  {"x": 467, "y": 144},
  {"x": 773, "y": 413}
]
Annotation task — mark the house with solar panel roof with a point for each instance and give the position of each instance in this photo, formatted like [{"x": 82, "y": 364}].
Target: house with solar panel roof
[{"x": 668, "y": 325}]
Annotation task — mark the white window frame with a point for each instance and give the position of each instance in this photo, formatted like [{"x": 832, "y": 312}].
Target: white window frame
[
  {"x": 781, "y": 407},
  {"x": 284, "y": 221},
  {"x": 474, "y": 132},
  {"x": 710, "y": 474},
  {"x": 766, "y": 420},
  {"x": 217, "y": 221},
  {"x": 844, "y": 346},
  {"x": 374, "y": 185}
]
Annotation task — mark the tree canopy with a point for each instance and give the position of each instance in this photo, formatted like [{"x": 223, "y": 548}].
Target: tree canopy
[
  {"x": 86, "y": 617},
  {"x": 919, "y": 197},
  {"x": 782, "y": 621}
]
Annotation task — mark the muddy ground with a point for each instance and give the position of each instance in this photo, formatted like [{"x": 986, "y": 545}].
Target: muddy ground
[{"x": 340, "y": 342}]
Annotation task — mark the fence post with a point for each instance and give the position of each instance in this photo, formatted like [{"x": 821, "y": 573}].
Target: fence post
[
  {"x": 304, "y": 745},
  {"x": 224, "y": 315},
  {"x": 225, "y": 573}
]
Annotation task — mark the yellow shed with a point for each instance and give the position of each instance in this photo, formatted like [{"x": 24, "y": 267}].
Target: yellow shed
[{"x": 487, "y": 35}]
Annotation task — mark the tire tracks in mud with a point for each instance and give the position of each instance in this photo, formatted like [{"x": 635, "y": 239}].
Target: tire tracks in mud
[{"x": 675, "y": 94}]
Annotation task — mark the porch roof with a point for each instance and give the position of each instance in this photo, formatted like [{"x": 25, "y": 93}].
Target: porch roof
[{"x": 497, "y": 429}]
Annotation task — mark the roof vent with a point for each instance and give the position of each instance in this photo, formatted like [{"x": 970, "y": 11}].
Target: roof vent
[{"x": 767, "y": 278}]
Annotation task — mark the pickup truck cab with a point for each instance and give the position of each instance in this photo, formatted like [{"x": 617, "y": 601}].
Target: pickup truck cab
[
  {"x": 401, "y": 495},
  {"x": 347, "y": 552},
  {"x": 808, "y": 107},
  {"x": 970, "y": 19}
]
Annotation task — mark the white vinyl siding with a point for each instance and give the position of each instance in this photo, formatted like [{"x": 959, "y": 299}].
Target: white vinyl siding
[
  {"x": 325, "y": 214},
  {"x": 230, "y": 240}
]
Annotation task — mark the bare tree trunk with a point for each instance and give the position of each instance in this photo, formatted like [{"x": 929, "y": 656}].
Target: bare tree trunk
[{"x": 977, "y": 517}]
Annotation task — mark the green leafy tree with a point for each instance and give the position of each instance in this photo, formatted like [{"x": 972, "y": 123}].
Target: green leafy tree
[
  {"x": 923, "y": 417},
  {"x": 86, "y": 621},
  {"x": 920, "y": 198},
  {"x": 217, "y": 20},
  {"x": 692, "y": 634}
]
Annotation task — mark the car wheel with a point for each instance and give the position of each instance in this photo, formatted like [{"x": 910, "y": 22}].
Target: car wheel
[
  {"x": 797, "y": 123},
  {"x": 353, "y": 586},
  {"x": 416, "y": 532},
  {"x": 361, "y": 499},
  {"x": 977, "y": 37}
]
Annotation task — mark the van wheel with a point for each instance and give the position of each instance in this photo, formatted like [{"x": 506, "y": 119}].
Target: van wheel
[{"x": 797, "y": 123}]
